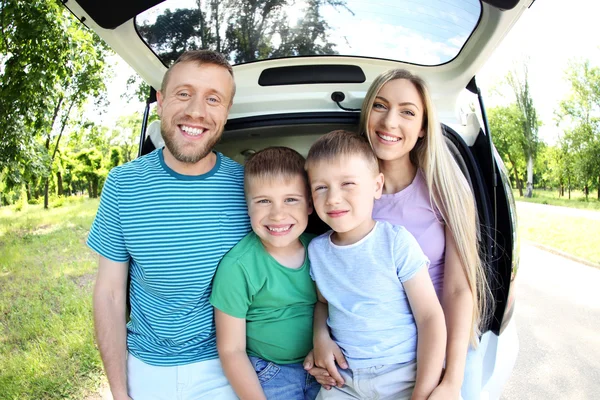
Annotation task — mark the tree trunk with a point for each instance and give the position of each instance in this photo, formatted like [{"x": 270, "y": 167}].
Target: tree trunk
[
  {"x": 95, "y": 188},
  {"x": 569, "y": 188},
  {"x": 59, "y": 183},
  {"x": 529, "y": 192},
  {"x": 598, "y": 187},
  {"x": 46, "y": 193}
]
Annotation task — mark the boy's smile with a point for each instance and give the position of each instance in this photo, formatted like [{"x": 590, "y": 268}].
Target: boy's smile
[
  {"x": 278, "y": 208},
  {"x": 343, "y": 192}
]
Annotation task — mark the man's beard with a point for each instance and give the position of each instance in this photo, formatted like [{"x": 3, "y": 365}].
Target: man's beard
[{"x": 178, "y": 150}]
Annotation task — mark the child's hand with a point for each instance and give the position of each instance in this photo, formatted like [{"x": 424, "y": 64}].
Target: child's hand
[
  {"x": 445, "y": 391},
  {"x": 320, "y": 374},
  {"x": 326, "y": 354}
]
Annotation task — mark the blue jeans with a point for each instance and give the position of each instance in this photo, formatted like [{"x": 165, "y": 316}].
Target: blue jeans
[{"x": 286, "y": 381}]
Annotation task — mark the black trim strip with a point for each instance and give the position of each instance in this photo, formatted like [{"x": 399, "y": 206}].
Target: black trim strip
[
  {"x": 333, "y": 117},
  {"x": 311, "y": 74}
]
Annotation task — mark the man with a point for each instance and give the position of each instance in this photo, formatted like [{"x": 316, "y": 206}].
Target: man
[{"x": 166, "y": 219}]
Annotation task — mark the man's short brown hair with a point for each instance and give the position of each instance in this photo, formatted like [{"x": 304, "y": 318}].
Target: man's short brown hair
[
  {"x": 341, "y": 143},
  {"x": 200, "y": 57},
  {"x": 274, "y": 162}
]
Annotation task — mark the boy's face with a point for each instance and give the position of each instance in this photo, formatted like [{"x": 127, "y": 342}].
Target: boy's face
[
  {"x": 278, "y": 208},
  {"x": 343, "y": 192}
]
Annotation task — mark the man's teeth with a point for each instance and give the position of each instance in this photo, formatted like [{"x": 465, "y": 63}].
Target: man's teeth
[
  {"x": 282, "y": 229},
  {"x": 388, "y": 138},
  {"x": 191, "y": 131}
]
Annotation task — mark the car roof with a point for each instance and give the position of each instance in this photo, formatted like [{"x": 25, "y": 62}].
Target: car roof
[{"x": 114, "y": 21}]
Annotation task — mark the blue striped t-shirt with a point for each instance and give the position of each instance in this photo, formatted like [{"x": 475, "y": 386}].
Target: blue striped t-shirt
[{"x": 173, "y": 229}]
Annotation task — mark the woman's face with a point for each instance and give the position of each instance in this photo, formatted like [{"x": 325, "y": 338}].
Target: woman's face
[{"x": 396, "y": 120}]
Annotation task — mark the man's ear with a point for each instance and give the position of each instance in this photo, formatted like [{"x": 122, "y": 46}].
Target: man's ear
[
  {"x": 159, "y": 101},
  {"x": 379, "y": 180}
]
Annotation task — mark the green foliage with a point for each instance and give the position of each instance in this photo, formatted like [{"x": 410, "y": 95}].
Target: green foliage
[
  {"x": 243, "y": 30},
  {"x": 579, "y": 114},
  {"x": 518, "y": 81},
  {"x": 506, "y": 124},
  {"x": 90, "y": 166},
  {"x": 51, "y": 65}
]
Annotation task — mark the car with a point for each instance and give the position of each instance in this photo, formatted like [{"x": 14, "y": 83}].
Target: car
[{"x": 302, "y": 69}]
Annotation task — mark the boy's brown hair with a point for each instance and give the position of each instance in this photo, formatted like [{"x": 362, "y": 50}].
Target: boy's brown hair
[
  {"x": 273, "y": 162},
  {"x": 341, "y": 143}
]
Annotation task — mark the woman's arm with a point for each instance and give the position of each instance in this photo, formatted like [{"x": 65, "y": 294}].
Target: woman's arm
[
  {"x": 457, "y": 303},
  {"x": 231, "y": 344},
  {"x": 431, "y": 331}
]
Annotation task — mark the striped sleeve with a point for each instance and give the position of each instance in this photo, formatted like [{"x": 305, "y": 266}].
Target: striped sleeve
[{"x": 106, "y": 235}]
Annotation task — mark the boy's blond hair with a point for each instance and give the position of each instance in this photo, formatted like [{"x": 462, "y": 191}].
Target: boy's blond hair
[
  {"x": 341, "y": 143},
  {"x": 275, "y": 162}
]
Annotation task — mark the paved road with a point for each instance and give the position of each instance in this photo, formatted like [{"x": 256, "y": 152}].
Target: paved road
[{"x": 558, "y": 320}]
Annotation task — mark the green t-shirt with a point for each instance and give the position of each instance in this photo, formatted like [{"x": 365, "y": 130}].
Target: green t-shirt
[{"x": 277, "y": 302}]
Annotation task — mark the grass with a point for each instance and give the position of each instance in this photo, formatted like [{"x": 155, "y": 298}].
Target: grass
[
  {"x": 551, "y": 197},
  {"x": 47, "y": 348},
  {"x": 575, "y": 235}
]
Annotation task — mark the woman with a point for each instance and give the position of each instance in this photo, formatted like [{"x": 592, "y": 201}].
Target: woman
[{"x": 426, "y": 192}]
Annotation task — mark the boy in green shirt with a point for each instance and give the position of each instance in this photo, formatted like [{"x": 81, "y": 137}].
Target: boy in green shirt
[{"x": 262, "y": 292}]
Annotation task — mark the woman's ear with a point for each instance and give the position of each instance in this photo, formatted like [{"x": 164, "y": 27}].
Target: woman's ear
[{"x": 379, "y": 180}]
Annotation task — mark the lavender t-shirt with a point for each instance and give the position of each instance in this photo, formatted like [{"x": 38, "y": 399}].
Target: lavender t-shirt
[{"x": 412, "y": 208}]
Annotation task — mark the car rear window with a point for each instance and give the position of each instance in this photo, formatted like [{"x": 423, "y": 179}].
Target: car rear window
[{"x": 426, "y": 32}]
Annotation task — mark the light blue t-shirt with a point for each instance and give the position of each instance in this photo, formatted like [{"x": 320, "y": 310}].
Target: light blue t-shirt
[
  {"x": 369, "y": 314},
  {"x": 173, "y": 230}
]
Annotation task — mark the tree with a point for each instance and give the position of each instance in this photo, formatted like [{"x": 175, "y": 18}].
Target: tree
[
  {"x": 52, "y": 65},
  {"x": 33, "y": 47},
  {"x": 245, "y": 30},
  {"x": 580, "y": 115},
  {"x": 506, "y": 123},
  {"x": 518, "y": 80},
  {"x": 91, "y": 168}
]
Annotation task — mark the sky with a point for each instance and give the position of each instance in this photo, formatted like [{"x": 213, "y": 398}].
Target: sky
[{"x": 548, "y": 35}]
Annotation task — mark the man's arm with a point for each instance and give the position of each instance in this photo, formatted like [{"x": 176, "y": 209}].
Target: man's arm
[
  {"x": 231, "y": 344},
  {"x": 110, "y": 296},
  {"x": 431, "y": 331}
]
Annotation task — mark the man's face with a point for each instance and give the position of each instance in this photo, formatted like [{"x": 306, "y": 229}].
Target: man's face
[{"x": 193, "y": 109}]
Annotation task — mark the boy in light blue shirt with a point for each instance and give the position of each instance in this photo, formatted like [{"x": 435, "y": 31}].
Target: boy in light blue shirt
[{"x": 374, "y": 290}]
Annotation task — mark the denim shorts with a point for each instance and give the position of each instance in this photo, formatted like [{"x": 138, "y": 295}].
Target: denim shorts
[{"x": 285, "y": 381}]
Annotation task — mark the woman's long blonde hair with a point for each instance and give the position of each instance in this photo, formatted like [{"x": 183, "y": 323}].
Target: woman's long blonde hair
[{"x": 449, "y": 191}]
